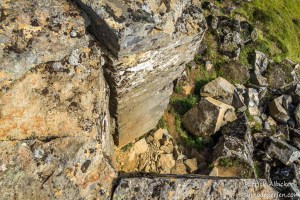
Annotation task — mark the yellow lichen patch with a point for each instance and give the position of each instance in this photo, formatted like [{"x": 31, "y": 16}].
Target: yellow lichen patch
[
  {"x": 113, "y": 24},
  {"x": 58, "y": 193},
  {"x": 117, "y": 11},
  {"x": 4, "y": 75}
]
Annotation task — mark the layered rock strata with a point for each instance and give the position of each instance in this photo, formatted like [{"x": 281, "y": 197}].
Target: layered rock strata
[{"x": 148, "y": 44}]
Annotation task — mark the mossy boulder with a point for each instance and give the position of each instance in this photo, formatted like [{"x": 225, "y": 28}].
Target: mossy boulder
[
  {"x": 281, "y": 75},
  {"x": 235, "y": 72}
]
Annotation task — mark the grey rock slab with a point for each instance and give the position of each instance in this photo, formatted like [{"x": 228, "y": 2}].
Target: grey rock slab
[
  {"x": 191, "y": 187},
  {"x": 282, "y": 151}
]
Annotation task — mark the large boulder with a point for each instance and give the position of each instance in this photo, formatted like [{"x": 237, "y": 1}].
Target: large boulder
[
  {"x": 207, "y": 117},
  {"x": 282, "y": 75},
  {"x": 149, "y": 44},
  {"x": 235, "y": 72},
  {"x": 219, "y": 89}
]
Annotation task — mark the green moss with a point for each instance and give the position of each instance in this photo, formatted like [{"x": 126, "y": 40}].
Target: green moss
[
  {"x": 187, "y": 139},
  {"x": 162, "y": 124},
  {"x": 278, "y": 26},
  {"x": 254, "y": 125},
  {"x": 178, "y": 89},
  {"x": 203, "y": 77},
  {"x": 127, "y": 147},
  {"x": 183, "y": 104},
  {"x": 245, "y": 171},
  {"x": 258, "y": 171},
  {"x": 226, "y": 162}
]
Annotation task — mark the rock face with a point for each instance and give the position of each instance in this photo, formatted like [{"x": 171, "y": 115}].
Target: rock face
[
  {"x": 35, "y": 32},
  {"x": 192, "y": 187},
  {"x": 63, "y": 168},
  {"x": 54, "y": 116},
  {"x": 149, "y": 43},
  {"x": 207, "y": 117}
]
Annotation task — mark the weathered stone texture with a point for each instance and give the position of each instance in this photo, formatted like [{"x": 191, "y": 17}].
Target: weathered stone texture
[
  {"x": 149, "y": 41},
  {"x": 34, "y": 32},
  {"x": 54, "y": 119},
  {"x": 63, "y": 168},
  {"x": 193, "y": 187}
]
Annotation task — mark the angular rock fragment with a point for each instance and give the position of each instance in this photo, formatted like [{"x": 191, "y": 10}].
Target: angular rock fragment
[
  {"x": 191, "y": 165},
  {"x": 238, "y": 101},
  {"x": 166, "y": 162},
  {"x": 219, "y": 89},
  {"x": 282, "y": 151},
  {"x": 252, "y": 101},
  {"x": 277, "y": 110},
  {"x": 297, "y": 115},
  {"x": 140, "y": 147},
  {"x": 261, "y": 62},
  {"x": 233, "y": 34},
  {"x": 235, "y": 72},
  {"x": 270, "y": 124},
  {"x": 207, "y": 117},
  {"x": 258, "y": 79}
]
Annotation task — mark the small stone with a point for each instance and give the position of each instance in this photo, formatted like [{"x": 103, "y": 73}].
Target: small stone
[
  {"x": 270, "y": 124},
  {"x": 3, "y": 167},
  {"x": 261, "y": 62},
  {"x": 73, "y": 34},
  {"x": 38, "y": 153},
  {"x": 140, "y": 147},
  {"x": 166, "y": 161},
  {"x": 179, "y": 168},
  {"x": 251, "y": 99},
  {"x": 57, "y": 66},
  {"x": 208, "y": 66},
  {"x": 258, "y": 79},
  {"x": 238, "y": 101},
  {"x": 167, "y": 149},
  {"x": 158, "y": 135},
  {"x": 191, "y": 165},
  {"x": 74, "y": 58}
]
